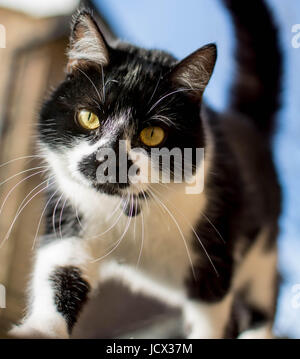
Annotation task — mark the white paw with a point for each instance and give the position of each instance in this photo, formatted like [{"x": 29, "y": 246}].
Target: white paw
[
  {"x": 27, "y": 332},
  {"x": 263, "y": 332},
  {"x": 197, "y": 332}
]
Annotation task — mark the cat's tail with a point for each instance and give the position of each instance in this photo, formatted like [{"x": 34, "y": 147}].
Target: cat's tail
[{"x": 257, "y": 84}]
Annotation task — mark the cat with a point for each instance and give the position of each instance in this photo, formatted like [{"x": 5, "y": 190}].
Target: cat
[{"x": 211, "y": 252}]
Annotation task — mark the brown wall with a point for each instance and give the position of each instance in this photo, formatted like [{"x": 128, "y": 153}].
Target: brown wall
[{"x": 31, "y": 63}]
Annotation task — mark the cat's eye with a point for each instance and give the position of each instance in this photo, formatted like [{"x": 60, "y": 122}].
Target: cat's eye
[
  {"x": 152, "y": 136},
  {"x": 88, "y": 120}
]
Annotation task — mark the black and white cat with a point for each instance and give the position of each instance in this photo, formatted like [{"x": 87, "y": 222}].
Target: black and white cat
[{"x": 213, "y": 253}]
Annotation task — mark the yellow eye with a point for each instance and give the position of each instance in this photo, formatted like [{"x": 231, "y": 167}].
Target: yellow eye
[
  {"x": 152, "y": 136},
  {"x": 88, "y": 120}
]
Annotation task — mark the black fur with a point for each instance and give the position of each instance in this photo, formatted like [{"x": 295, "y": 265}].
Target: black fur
[
  {"x": 154, "y": 78},
  {"x": 255, "y": 91},
  {"x": 70, "y": 292},
  {"x": 242, "y": 189},
  {"x": 60, "y": 220}
]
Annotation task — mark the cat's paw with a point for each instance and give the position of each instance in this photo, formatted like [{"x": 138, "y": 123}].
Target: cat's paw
[
  {"x": 27, "y": 332},
  {"x": 263, "y": 332}
]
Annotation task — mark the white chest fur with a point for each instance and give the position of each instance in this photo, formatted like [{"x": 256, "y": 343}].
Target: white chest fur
[
  {"x": 157, "y": 242},
  {"x": 151, "y": 252}
]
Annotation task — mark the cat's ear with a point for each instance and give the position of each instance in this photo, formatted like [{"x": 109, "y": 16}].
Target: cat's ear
[
  {"x": 87, "y": 43},
  {"x": 193, "y": 73}
]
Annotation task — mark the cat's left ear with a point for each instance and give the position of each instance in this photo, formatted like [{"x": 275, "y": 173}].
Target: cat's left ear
[
  {"x": 87, "y": 43},
  {"x": 194, "y": 72}
]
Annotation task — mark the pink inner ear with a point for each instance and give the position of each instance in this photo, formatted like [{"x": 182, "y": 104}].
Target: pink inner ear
[
  {"x": 194, "y": 71},
  {"x": 87, "y": 43}
]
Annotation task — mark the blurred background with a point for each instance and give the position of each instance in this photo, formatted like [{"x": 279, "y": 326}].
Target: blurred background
[{"x": 32, "y": 62}]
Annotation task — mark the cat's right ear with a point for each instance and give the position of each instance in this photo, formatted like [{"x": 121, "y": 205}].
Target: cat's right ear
[
  {"x": 194, "y": 72},
  {"x": 87, "y": 43}
]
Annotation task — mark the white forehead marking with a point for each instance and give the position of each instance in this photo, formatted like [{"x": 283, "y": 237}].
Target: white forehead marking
[{"x": 120, "y": 120}]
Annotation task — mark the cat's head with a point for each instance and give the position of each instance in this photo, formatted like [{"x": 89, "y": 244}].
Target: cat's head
[{"x": 122, "y": 98}]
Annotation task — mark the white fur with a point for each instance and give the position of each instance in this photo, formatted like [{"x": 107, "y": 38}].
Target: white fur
[
  {"x": 207, "y": 321},
  {"x": 258, "y": 269},
  {"x": 163, "y": 231},
  {"x": 43, "y": 319},
  {"x": 151, "y": 252},
  {"x": 263, "y": 332},
  {"x": 167, "y": 225}
]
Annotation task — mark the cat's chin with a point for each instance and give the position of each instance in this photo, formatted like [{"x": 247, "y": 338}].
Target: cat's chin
[{"x": 131, "y": 208}]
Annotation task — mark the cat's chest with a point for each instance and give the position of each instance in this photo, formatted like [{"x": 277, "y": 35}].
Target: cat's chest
[{"x": 158, "y": 242}]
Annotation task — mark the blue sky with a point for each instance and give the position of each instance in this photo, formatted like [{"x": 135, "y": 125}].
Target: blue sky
[{"x": 183, "y": 26}]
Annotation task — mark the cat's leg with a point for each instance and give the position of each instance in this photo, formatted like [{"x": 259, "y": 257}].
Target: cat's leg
[
  {"x": 263, "y": 331},
  {"x": 259, "y": 272},
  {"x": 62, "y": 280},
  {"x": 210, "y": 297},
  {"x": 204, "y": 320}
]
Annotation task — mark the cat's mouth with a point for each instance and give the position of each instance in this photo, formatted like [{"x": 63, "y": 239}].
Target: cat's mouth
[{"x": 132, "y": 207}]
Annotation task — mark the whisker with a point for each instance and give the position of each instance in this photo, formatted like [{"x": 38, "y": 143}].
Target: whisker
[
  {"x": 195, "y": 233},
  {"x": 112, "y": 226},
  {"x": 41, "y": 217},
  {"x": 16, "y": 185},
  {"x": 134, "y": 226},
  {"x": 142, "y": 241},
  {"x": 145, "y": 197},
  {"x": 19, "y": 158},
  {"x": 77, "y": 216},
  {"x": 201, "y": 212},
  {"x": 115, "y": 210},
  {"x": 60, "y": 218},
  {"x": 24, "y": 200},
  {"x": 180, "y": 231},
  {"x": 214, "y": 227},
  {"x": 167, "y": 95},
  {"x": 118, "y": 242},
  {"x": 91, "y": 83},
  {"x": 131, "y": 205},
  {"x": 19, "y": 173},
  {"x": 17, "y": 216},
  {"x": 155, "y": 89},
  {"x": 53, "y": 214},
  {"x": 110, "y": 80},
  {"x": 103, "y": 84},
  {"x": 164, "y": 119}
]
